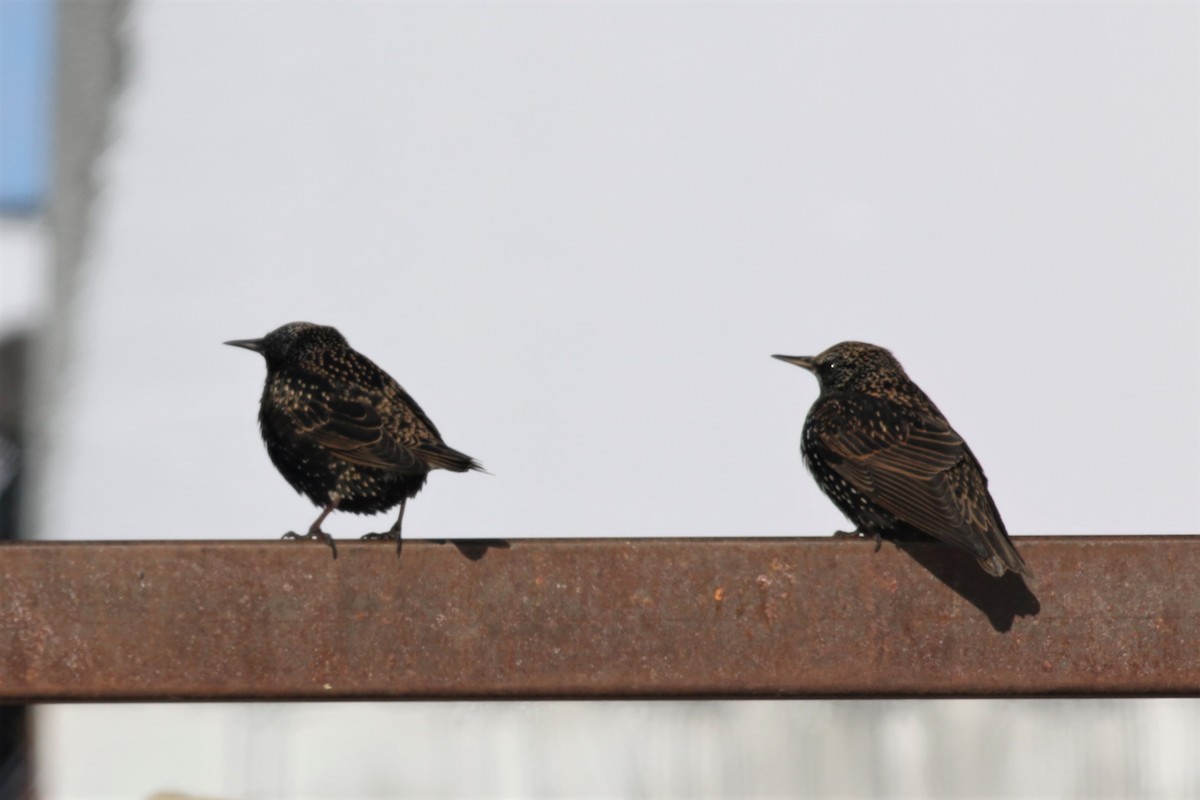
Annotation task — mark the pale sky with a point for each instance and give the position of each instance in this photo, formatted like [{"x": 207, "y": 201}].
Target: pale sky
[{"x": 576, "y": 233}]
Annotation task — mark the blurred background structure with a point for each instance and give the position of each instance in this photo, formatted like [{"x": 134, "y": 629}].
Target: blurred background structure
[
  {"x": 577, "y": 232},
  {"x": 26, "y": 103}
]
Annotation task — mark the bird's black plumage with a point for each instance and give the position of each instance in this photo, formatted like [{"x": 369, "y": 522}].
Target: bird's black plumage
[
  {"x": 340, "y": 430},
  {"x": 887, "y": 457}
]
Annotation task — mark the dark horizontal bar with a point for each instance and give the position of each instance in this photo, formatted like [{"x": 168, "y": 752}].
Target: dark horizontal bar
[{"x": 595, "y": 618}]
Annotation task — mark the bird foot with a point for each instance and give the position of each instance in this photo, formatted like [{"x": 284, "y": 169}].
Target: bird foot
[
  {"x": 320, "y": 536},
  {"x": 386, "y": 536},
  {"x": 375, "y": 537},
  {"x": 857, "y": 534}
]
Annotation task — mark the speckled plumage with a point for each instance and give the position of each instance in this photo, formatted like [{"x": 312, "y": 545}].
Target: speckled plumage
[
  {"x": 887, "y": 457},
  {"x": 340, "y": 430}
]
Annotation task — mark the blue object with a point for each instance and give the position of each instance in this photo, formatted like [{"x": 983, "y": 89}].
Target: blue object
[{"x": 26, "y": 103}]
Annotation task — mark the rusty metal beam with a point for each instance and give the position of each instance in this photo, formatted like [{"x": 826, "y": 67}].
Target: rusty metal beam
[{"x": 595, "y": 618}]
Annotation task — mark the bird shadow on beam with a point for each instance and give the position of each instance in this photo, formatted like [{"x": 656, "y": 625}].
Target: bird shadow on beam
[
  {"x": 1001, "y": 599},
  {"x": 474, "y": 549}
]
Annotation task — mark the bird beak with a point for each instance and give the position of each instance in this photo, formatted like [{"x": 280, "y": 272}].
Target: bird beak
[
  {"x": 249, "y": 344},
  {"x": 808, "y": 362}
]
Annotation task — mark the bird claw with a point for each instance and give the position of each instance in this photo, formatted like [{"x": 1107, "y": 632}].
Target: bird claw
[
  {"x": 386, "y": 536},
  {"x": 320, "y": 536},
  {"x": 858, "y": 534}
]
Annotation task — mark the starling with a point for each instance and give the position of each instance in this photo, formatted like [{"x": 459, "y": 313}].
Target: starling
[
  {"x": 881, "y": 450},
  {"x": 340, "y": 430}
]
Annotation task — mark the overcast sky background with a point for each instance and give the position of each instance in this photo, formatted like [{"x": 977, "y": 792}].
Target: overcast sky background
[{"x": 576, "y": 233}]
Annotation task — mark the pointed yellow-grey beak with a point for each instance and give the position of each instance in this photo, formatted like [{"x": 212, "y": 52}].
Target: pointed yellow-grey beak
[
  {"x": 249, "y": 344},
  {"x": 808, "y": 362}
]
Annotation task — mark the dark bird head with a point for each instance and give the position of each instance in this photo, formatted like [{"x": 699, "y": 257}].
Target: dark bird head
[
  {"x": 290, "y": 343},
  {"x": 852, "y": 367}
]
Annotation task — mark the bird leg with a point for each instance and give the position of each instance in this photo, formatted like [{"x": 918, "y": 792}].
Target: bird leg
[
  {"x": 877, "y": 536},
  {"x": 314, "y": 530},
  {"x": 394, "y": 532}
]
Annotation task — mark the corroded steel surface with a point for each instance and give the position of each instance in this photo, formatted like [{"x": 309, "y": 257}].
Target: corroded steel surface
[{"x": 600, "y": 618}]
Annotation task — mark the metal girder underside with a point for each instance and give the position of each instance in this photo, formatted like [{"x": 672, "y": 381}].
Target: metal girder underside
[{"x": 595, "y": 618}]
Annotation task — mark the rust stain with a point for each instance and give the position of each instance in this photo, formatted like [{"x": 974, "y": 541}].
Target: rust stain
[{"x": 113, "y": 621}]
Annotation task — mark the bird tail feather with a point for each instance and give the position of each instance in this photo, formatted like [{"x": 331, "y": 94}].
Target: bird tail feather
[
  {"x": 443, "y": 457},
  {"x": 1005, "y": 557}
]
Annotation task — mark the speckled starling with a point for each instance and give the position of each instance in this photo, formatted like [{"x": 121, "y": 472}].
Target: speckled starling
[
  {"x": 887, "y": 457},
  {"x": 340, "y": 430}
]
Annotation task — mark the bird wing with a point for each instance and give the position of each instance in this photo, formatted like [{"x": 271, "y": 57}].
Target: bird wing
[
  {"x": 914, "y": 466},
  {"x": 351, "y": 428},
  {"x": 421, "y": 436},
  {"x": 384, "y": 430}
]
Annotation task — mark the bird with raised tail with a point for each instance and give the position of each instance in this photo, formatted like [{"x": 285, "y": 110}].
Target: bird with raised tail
[
  {"x": 341, "y": 431},
  {"x": 889, "y": 460}
]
